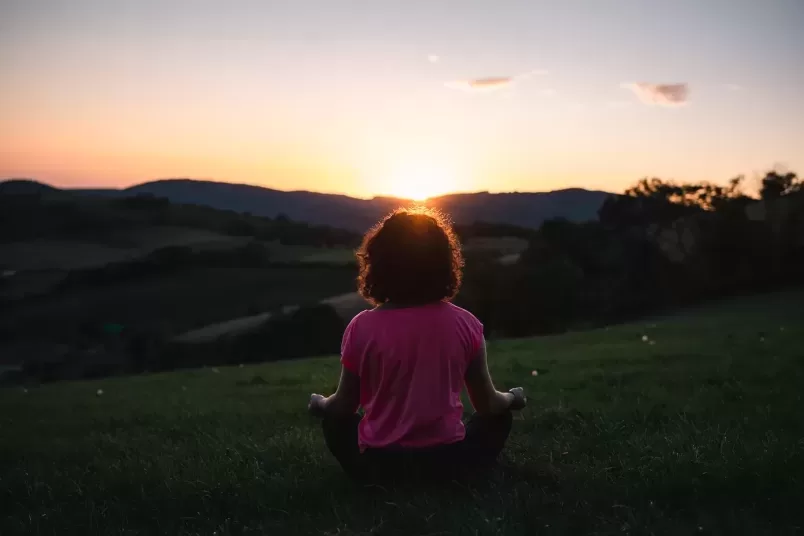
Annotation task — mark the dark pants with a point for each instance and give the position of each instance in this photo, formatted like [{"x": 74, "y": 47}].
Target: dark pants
[{"x": 476, "y": 453}]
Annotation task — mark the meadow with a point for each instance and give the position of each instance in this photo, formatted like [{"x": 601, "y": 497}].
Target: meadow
[{"x": 682, "y": 424}]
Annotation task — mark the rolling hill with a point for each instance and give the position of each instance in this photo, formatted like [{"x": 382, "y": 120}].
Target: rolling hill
[{"x": 521, "y": 209}]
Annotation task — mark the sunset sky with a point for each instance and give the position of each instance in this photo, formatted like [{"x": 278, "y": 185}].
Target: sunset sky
[{"x": 409, "y": 97}]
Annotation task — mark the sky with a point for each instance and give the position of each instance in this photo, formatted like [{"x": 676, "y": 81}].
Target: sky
[{"x": 409, "y": 98}]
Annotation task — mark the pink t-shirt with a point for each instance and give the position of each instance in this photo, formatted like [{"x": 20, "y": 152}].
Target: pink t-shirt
[{"x": 411, "y": 363}]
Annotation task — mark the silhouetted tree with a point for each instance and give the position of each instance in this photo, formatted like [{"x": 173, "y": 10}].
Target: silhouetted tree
[{"x": 775, "y": 185}]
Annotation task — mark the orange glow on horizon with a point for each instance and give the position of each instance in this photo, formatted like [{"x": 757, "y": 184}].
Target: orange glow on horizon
[{"x": 420, "y": 182}]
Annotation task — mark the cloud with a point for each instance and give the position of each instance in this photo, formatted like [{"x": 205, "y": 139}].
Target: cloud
[
  {"x": 492, "y": 83},
  {"x": 481, "y": 84},
  {"x": 734, "y": 87},
  {"x": 660, "y": 94},
  {"x": 433, "y": 58}
]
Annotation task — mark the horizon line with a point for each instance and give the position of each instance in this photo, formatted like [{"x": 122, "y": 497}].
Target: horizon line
[{"x": 320, "y": 192}]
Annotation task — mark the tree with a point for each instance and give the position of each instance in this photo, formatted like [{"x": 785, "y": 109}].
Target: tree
[
  {"x": 648, "y": 201},
  {"x": 776, "y": 184}
]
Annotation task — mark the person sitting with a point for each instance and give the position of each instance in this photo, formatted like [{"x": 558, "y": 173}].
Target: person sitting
[{"x": 406, "y": 361}]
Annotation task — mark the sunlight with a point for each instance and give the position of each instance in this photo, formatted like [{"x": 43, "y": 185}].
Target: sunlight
[{"x": 421, "y": 182}]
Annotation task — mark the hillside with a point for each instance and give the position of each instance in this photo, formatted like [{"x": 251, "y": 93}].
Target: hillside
[
  {"x": 69, "y": 260},
  {"x": 73, "y": 265},
  {"x": 695, "y": 430},
  {"x": 30, "y": 210},
  {"x": 521, "y": 209}
]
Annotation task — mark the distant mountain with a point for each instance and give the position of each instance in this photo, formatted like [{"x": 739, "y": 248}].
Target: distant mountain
[
  {"x": 323, "y": 209},
  {"x": 25, "y": 187},
  {"x": 522, "y": 209}
]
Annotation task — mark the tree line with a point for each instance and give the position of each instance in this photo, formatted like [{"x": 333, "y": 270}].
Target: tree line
[
  {"x": 662, "y": 244},
  {"x": 61, "y": 214}
]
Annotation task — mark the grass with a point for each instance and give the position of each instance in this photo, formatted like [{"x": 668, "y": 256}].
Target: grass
[{"x": 698, "y": 433}]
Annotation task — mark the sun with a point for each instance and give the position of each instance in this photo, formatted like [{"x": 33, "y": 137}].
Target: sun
[{"x": 420, "y": 182}]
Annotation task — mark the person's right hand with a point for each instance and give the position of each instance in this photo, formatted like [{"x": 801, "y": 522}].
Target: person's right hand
[
  {"x": 315, "y": 406},
  {"x": 520, "y": 401}
]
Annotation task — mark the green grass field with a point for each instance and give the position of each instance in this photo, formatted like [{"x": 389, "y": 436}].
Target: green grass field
[{"x": 700, "y": 432}]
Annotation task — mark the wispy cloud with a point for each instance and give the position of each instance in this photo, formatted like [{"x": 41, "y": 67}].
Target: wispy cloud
[
  {"x": 492, "y": 83},
  {"x": 481, "y": 84},
  {"x": 433, "y": 58},
  {"x": 734, "y": 87},
  {"x": 660, "y": 94}
]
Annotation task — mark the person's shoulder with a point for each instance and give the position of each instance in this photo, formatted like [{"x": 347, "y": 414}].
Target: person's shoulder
[
  {"x": 363, "y": 320},
  {"x": 462, "y": 313},
  {"x": 470, "y": 328},
  {"x": 355, "y": 330},
  {"x": 359, "y": 318}
]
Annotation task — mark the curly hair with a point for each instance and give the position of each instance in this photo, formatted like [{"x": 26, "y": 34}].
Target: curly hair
[{"x": 411, "y": 257}]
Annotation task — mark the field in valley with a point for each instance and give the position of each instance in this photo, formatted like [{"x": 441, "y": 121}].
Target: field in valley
[
  {"x": 174, "y": 303},
  {"x": 686, "y": 424}
]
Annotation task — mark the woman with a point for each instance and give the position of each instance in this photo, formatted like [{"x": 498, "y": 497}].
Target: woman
[{"x": 405, "y": 362}]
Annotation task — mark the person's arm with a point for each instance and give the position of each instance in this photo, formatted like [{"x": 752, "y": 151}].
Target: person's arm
[
  {"x": 343, "y": 402},
  {"x": 485, "y": 398}
]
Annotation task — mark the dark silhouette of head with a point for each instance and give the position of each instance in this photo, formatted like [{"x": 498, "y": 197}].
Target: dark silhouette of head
[{"x": 412, "y": 257}]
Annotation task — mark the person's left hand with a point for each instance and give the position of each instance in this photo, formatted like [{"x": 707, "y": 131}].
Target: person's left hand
[
  {"x": 316, "y": 406},
  {"x": 520, "y": 400}
]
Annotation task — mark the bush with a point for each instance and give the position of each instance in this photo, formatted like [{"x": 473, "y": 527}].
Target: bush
[{"x": 309, "y": 331}]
